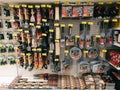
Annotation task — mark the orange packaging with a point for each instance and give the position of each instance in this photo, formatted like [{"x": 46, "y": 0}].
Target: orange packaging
[
  {"x": 66, "y": 11},
  {"x": 87, "y": 11},
  {"x": 77, "y": 11}
]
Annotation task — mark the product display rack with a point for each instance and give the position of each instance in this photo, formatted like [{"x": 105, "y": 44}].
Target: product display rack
[{"x": 54, "y": 46}]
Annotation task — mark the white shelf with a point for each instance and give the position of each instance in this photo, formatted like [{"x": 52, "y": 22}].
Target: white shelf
[
  {"x": 117, "y": 44},
  {"x": 118, "y": 68}
]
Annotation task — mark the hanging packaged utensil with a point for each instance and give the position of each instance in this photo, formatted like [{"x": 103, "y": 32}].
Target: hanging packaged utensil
[
  {"x": 66, "y": 11},
  {"x": 2, "y": 48},
  {"x": 40, "y": 66},
  {"x": 1, "y": 23},
  {"x": 25, "y": 62},
  {"x": 8, "y": 24},
  {"x": 51, "y": 39},
  {"x": 36, "y": 62},
  {"x": 10, "y": 47},
  {"x": 82, "y": 34},
  {"x": 51, "y": 12},
  {"x": 6, "y": 12},
  {"x": 75, "y": 51},
  {"x": 92, "y": 53},
  {"x": 30, "y": 61},
  {"x": 69, "y": 37},
  {"x": 20, "y": 14},
  {"x": 2, "y": 36},
  {"x": 57, "y": 12},
  {"x": 28, "y": 36},
  {"x": 44, "y": 11},
  {"x": 77, "y": 11},
  {"x": 11, "y": 60},
  {"x": 62, "y": 40},
  {"x": 45, "y": 60},
  {"x": 3, "y": 60},
  {"x": 32, "y": 18},
  {"x": 38, "y": 17},
  {"x": 34, "y": 42},
  {"x": 57, "y": 31}
]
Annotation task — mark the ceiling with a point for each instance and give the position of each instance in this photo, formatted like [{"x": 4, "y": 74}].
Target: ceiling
[{"x": 46, "y": 1}]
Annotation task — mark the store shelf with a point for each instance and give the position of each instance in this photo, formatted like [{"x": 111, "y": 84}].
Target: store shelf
[
  {"x": 116, "y": 44},
  {"x": 118, "y": 68}
]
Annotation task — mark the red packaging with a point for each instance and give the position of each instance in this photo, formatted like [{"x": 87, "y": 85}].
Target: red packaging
[
  {"x": 87, "y": 11},
  {"x": 66, "y": 11},
  {"x": 77, "y": 11}
]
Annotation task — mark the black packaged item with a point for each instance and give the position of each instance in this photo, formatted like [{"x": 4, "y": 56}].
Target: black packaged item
[
  {"x": 8, "y": 24},
  {"x": 6, "y": 12}
]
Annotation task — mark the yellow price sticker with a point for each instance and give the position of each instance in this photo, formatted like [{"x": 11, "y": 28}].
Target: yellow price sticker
[
  {"x": 49, "y": 6},
  {"x": 44, "y": 54},
  {"x": 109, "y": 2},
  {"x": 44, "y": 34},
  {"x": 56, "y": 24},
  {"x": 34, "y": 49},
  {"x": 28, "y": 54},
  {"x": 20, "y": 30},
  {"x": 24, "y": 5},
  {"x": 70, "y": 25},
  {"x": 56, "y": 60},
  {"x": 44, "y": 20},
  {"x": 14, "y": 34},
  {"x": 43, "y": 5},
  {"x": 104, "y": 51},
  {"x": 17, "y": 6},
  {"x": 39, "y": 49},
  {"x": 51, "y": 30},
  {"x": 106, "y": 21},
  {"x": 37, "y": 6},
  {"x": 90, "y": 23},
  {"x": 26, "y": 31},
  {"x": 85, "y": 51},
  {"x": 77, "y": 2},
  {"x": 30, "y": 6},
  {"x": 11, "y": 5},
  {"x": 66, "y": 51},
  {"x": 62, "y": 25},
  {"x": 101, "y": 3},
  {"x": 38, "y": 26},
  {"x": 56, "y": 2},
  {"x": 84, "y": 22},
  {"x": 114, "y": 20},
  {"x": 12, "y": 20},
  {"x": 66, "y": 3},
  {"x": 23, "y": 54},
  {"x": 50, "y": 51},
  {"x": 118, "y": 2},
  {"x": 31, "y": 24},
  {"x": 1, "y": 45},
  {"x": 15, "y": 48},
  {"x": 77, "y": 36},
  {"x": 98, "y": 36},
  {"x": 90, "y": 3},
  {"x": 57, "y": 41},
  {"x": 17, "y": 60}
]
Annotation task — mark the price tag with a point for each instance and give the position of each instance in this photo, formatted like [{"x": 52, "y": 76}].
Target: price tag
[
  {"x": 26, "y": 31},
  {"x": 38, "y": 26},
  {"x": 20, "y": 30},
  {"x": 17, "y": 60},
  {"x": 62, "y": 25},
  {"x": 84, "y": 22},
  {"x": 1, "y": 45},
  {"x": 114, "y": 20},
  {"x": 28, "y": 54},
  {"x": 31, "y": 24},
  {"x": 37, "y": 6},
  {"x": 43, "y": 5},
  {"x": 118, "y": 2},
  {"x": 23, "y": 54},
  {"x": 44, "y": 20},
  {"x": 85, "y": 51},
  {"x": 49, "y": 6},
  {"x": 34, "y": 49},
  {"x": 44, "y": 54},
  {"x": 39, "y": 49},
  {"x": 56, "y": 2},
  {"x": 24, "y": 5},
  {"x": 109, "y": 2},
  {"x": 15, "y": 48},
  {"x": 17, "y": 6},
  {"x": 56, "y": 24},
  {"x": 90, "y": 3},
  {"x": 11, "y": 5},
  {"x": 66, "y": 3},
  {"x": 30, "y": 6},
  {"x": 90, "y": 23},
  {"x": 14, "y": 34},
  {"x": 12, "y": 20},
  {"x": 70, "y": 25},
  {"x": 56, "y": 60},
  {"x": 106, "y": 21},
  {"x": 104, "y": 51},
  {"x": 44, "y": 34},
  {"x": 98, "y": 36},
  {"x": 77, "y": 2},
  {"x": 57, "y": 41},
  {"x": 66, "y": 51},
  {"x": 51, "y": 30},
  {"x": 77, "y": 36},
  {"x": 50, "y": 51},
  {"x": 101, "y": 3}
]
